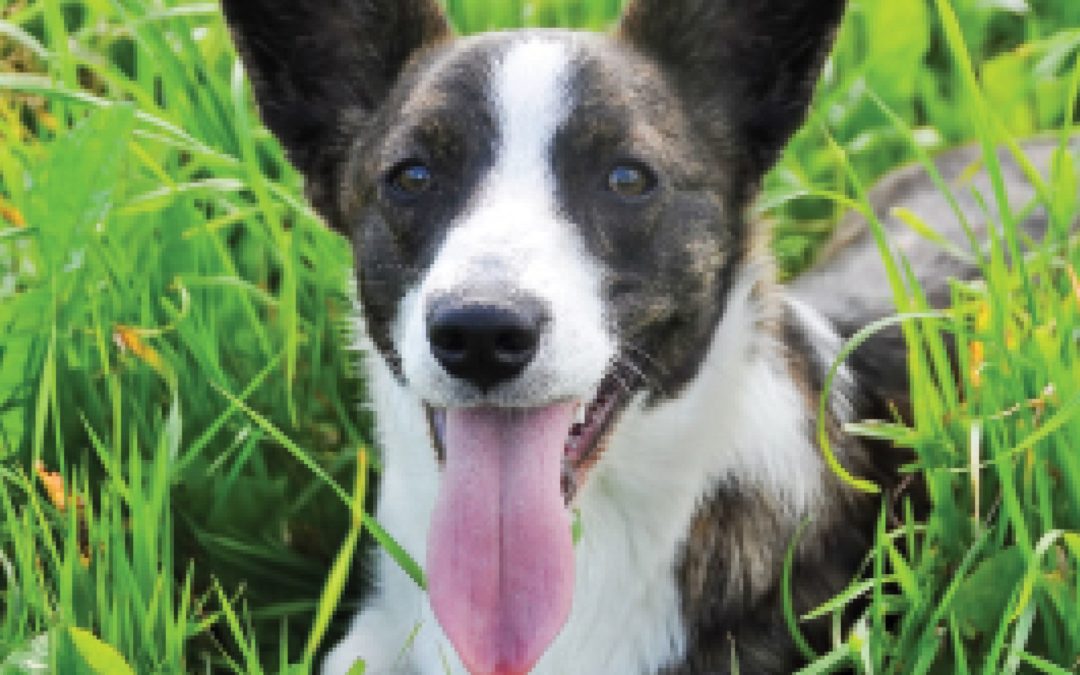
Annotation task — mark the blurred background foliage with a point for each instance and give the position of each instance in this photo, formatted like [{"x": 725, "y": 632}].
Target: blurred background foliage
[
  {"x": 894, "y": 53},
  {"x": 166, "y": 293}
]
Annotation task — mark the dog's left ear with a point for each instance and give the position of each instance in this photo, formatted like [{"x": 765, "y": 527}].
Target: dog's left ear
[
  {"x": 753, "y": 63},
  {"x": 314, "y": 61}
]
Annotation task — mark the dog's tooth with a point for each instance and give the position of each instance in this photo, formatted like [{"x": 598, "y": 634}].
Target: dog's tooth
[{"x": 579, "y": 414}]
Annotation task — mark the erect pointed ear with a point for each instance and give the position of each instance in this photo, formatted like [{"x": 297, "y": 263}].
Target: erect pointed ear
[
  {"x": 310, "y": 61},
  {"x": 757, "y": 61}
]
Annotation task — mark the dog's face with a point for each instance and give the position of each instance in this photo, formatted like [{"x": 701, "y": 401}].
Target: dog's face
[
  {"x": 536, "y": 220},
  {"x": 545, "y": 223}
]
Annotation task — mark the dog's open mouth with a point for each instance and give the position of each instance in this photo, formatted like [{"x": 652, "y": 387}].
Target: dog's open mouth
[
  {"x": 585, "y": 440},
  {"x": 500, "y": 552}
]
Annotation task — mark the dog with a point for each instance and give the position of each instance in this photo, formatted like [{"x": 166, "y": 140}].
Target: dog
[{"x": 572, "y": 326}]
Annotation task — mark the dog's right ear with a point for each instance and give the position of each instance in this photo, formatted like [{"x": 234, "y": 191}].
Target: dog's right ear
[{"x": 310, "y": 61}]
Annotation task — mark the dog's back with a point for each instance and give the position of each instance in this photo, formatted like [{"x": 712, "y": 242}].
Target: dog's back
[{"x": 848, "y": 284}]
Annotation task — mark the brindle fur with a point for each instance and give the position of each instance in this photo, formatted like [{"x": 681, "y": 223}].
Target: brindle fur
[
  {"x": 848, "y": 283},
  {"x": 729, "y": 571},
  {"x": 316, "y": 65},
  {"x": 729, "y": 574},
  {"x": 714, "y": 108},
  {"x": 710, "y": 90}
]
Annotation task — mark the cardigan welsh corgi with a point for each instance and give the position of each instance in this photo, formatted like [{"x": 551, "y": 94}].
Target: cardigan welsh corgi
[{"x": 572, "y": 326}]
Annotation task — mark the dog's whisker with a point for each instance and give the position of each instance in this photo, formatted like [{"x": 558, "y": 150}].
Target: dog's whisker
[
  {"x": 626, "y": 361},
  {"x": 648, "y": 358},
  {"x": 621, "y": 364}
]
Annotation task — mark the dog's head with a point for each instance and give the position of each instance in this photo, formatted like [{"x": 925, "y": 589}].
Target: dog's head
[{"x": 545, "y": 223}]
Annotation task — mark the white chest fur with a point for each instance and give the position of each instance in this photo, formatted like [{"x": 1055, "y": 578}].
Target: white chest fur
[{"x": 741, "y": 418}]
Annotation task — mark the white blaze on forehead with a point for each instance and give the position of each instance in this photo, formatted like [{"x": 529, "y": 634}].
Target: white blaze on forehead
[
  {"x": 513, "y": 240},
  {"x": 530, "y": 91}
]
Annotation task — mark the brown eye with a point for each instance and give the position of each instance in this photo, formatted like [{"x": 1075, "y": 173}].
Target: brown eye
[
  {"x": 631, "y": 180},
  {"x": 410, "y": 179}
]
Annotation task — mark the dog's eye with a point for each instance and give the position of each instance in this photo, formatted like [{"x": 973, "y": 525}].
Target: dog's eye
[
  {"x": 631, "y": 180},
  {"x": 410, "y": 179}
]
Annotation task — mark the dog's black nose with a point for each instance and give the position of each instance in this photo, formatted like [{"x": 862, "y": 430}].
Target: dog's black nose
[{"x": 485, "y": 344}]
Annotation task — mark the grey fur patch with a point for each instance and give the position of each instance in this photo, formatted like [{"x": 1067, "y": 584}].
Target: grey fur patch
[{"x": 849, "y": 286}]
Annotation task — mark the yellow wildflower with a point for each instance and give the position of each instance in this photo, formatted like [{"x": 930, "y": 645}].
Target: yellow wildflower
[
  {"x": 53, "y": 484},
  {"x": 976, "y": 359},
  {"x": 130, "y": 339},
  {"x": 11, "y": 214}
]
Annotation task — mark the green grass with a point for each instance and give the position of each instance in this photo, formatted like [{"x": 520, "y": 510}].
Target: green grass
[{"x": 173, "y": 347}]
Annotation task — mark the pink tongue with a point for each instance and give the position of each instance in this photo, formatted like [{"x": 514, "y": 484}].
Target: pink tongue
[{"x": 500, "y": 555}]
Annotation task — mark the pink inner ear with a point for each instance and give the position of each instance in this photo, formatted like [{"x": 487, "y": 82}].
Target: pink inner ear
[{"x": 500, "y": 552}]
